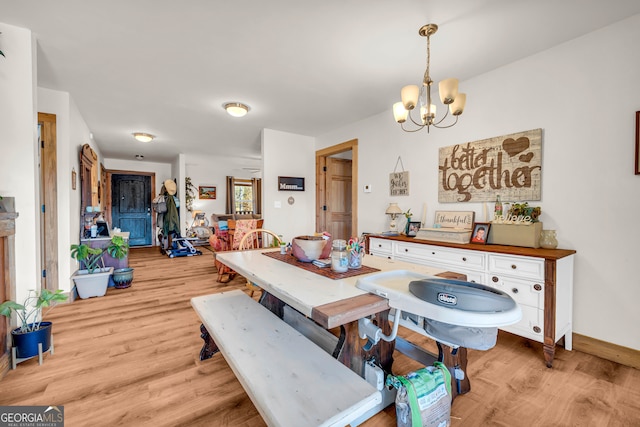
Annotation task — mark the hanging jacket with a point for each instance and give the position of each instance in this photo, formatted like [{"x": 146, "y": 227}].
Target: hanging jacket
[{"x": 171, "y": 220}]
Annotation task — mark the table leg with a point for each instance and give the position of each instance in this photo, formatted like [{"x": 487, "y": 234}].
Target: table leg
[
  {"x": 272, "y": 303},
  {"x": 454, "y": 359},
  {"x": 350, "y": 346},
  {"x": 210, "y": 347}
]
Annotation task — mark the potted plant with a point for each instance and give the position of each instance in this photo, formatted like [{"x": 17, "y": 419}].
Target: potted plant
[
  {"x": 523, "y": 209},
  {"x": 33, "y": 330},
  {"x": 118, "y": 249},
  {"x": 93, "y": 280}
]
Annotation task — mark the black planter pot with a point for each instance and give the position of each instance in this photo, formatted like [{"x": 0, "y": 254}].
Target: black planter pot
[{"x": 27, "y": 343}]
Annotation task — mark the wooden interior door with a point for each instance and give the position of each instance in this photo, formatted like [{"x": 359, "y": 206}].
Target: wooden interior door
[
  {"x": 336, "y": 190},
  {"x": 48, "y": 200},
  {"x": 338, "y": 184}
]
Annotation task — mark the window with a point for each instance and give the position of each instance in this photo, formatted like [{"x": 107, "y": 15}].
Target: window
[{"x": 243, "y": 196}]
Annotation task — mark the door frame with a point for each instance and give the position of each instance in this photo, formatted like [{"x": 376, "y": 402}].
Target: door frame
[
  {"x": 321, "y": 190},
  {"x": 107, "y": 195}
]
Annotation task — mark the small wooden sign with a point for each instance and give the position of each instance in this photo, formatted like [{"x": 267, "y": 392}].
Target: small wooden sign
[
  {"x": 399, "y": 183},
  {"x": 289, "y": 183},
  {"x": 455, "y": 219},
  {"x": 449, "y": 226}
]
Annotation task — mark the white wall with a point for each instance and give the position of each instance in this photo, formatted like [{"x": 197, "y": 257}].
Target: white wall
[
  {"x": 72, "y": 133},
  {"x": 55, "y": 102},
  {"x": 18, "y": 140},
  {"x": 212, "y": 171},
  {"x": 584, "y": 95},
  {"x": 288, "y": 154}
]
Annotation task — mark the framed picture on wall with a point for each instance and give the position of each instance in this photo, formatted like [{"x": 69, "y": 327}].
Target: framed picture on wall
[
  {"x": 206, "y": 192},
  {"x": 637, "y": 157}
]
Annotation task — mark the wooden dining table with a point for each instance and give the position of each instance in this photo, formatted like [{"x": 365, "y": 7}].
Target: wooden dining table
[{"x": 333, "y": 302}]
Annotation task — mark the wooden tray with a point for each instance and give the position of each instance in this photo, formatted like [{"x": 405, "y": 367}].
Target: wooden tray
[{"x": 323, "y": 271}]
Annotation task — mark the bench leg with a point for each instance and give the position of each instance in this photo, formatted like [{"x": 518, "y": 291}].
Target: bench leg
[{"x": 210, "y": 347}]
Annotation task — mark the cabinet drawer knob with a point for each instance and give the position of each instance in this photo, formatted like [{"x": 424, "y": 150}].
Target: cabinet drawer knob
[
  {"x": 494, "y": 279},
  {"x": 379, "y": 245},
  {"x": 537, "y": 329},
  {"x": 537, "y": 287},
  {"x": 514, "y": 290},
  {"x": 433, "y": 253},
  {"x": 513, "y": 266},
  {"x": 406, "y": 249},
  {"x": 464, "y": 258}
]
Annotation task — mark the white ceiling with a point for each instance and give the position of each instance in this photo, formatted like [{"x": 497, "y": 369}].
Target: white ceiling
[{"x": 166, "y": 67}]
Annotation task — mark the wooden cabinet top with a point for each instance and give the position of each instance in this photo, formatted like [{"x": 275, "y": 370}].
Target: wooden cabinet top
[{"x": 551, "y": 254}]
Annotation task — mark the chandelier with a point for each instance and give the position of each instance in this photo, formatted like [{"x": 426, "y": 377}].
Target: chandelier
[{"x": 413, "y": 96}]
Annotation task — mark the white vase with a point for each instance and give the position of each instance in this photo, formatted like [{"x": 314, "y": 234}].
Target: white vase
[
  {"x": 92, "y": 285},
  {"x": 548, "y": 239}
]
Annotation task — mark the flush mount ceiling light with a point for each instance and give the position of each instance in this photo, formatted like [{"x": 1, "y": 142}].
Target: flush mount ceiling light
[
  {"x": 414, "y": 96},
  {"x": 143, "y": 137},
  {"x": 236, "y": 109}
]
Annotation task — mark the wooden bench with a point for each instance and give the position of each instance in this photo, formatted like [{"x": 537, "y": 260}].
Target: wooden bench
[{"x": 290, "y": 380}]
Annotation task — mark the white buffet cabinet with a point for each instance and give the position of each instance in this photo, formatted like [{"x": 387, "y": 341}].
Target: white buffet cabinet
[{"x": 539, "y": 280}]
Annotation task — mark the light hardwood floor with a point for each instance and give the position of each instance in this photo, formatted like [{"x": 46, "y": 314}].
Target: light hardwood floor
[{"x": 130, "y": 358}]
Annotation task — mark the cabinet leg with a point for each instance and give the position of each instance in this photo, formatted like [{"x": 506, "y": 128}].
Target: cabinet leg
[{"x": 549, "y": 354}]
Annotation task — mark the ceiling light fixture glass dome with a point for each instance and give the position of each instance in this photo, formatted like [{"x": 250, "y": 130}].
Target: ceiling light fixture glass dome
[
  {"x": 143, "y": 137},
  {"x": 236, "y": 109}
]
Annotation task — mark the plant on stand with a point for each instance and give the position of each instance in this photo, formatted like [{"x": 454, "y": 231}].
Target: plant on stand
[{"x": 33, "y": 330}]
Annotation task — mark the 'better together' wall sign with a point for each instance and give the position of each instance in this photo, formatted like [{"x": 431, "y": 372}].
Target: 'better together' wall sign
[{"x": 509, "y": 166}]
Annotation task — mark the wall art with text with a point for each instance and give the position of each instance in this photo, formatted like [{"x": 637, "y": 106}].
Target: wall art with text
[{"x": 509, "y": 166}]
